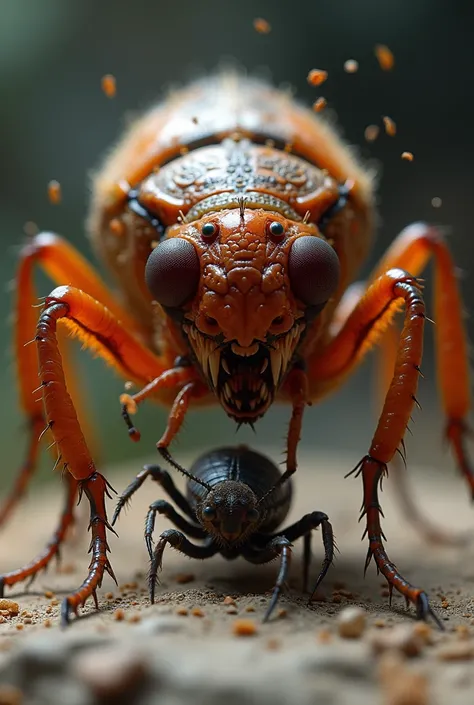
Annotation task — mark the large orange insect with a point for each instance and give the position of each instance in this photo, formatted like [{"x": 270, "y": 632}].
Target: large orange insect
[{"x": 235, "y": 221}]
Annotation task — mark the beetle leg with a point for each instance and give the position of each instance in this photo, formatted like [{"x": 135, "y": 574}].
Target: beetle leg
[
  {"x": 177, "y": 540},
  {"x": 304, "y": 527},
  {"x": 43, "y": 560},
  {"x": 277, "y": 546},
  {"x": 61, "y": 262},
  {"x": 164, "y": 479},
  {"x": 161, "y": 506}
]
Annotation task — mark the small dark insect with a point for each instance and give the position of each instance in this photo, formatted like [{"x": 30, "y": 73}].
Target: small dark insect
[{"x": 235, "y": 505}]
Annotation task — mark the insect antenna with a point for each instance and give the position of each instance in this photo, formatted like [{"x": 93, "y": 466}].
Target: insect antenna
[
  {"x": 164, "y": 452},
  {"x": 281, "y": 481}
]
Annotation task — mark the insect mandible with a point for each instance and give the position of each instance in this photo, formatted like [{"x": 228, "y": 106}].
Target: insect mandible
[{"x": 235, "y": 221}]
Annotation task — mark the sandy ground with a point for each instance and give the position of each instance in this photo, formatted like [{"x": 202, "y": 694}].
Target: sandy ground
[{"x": 190, "y": 626}]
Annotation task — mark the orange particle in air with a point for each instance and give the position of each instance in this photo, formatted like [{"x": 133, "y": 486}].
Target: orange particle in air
[
  {"x": 261, "y": 26},
  {"x": 54, "y": 192},
  {"x": 351, "y": 66},
  {"x": 319, "y": 104},
  {"x": 407, "y": 156},
  {"x": 316, "y": 77},
  {"x": 371, "y": 133},
  {"x": 384, "y": 57},
  {"x": 109, "y": 85},
  {"x": 390, "y": 126}
]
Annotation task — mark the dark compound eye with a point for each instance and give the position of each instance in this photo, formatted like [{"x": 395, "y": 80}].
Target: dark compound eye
[
  {"x": 276, "y": 229},
  {"x": 314, "y": 269},
  {"x": 172, "y": 272},
  {"x": 253, "y": 515},
  {"x": 209, "y": 230},
  {"x": 209, "y": 512}
]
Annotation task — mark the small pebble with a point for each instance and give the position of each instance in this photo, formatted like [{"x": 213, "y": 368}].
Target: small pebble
[
  {"x": 424, "y": 631},
  {"x": 250, "y": 608},
  {"x": 119, "y": 615},
  {"x": 401, "y": 685},
  {"x": 401, "y": 638},
  {"x": 229, "y": 601},
  {"x": 351, "y": 622},
  {"x": 111, "y": 672},
  {"x": 10, "y": 695},
  {"x": 197, "y": 612},
  {"x": 273, "y": 644},
  {"x": 182, "y": 611},
  {"x": 183, "y": 578},
  {"x": 244, "y": 627},
  {"x": 456, "y": 651},
  {"x": 9, "y": 606},
  {"x": 48, "y": 594},
  {"x": 324, "y": 636}
]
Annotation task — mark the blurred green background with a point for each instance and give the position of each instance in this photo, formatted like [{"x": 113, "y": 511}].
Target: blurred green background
[{"x": 56, "y": 124}]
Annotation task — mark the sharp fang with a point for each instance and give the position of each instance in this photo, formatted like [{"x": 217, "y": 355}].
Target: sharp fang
[
  {"x": 214, "y": 364},
  {"x": 238, "y": 404},
  {"x": 227, "y": 391},
  {"x": 225, "y": 366},
  {"x": 264, "y": 366},
  {"x": 275, "y": 358}
]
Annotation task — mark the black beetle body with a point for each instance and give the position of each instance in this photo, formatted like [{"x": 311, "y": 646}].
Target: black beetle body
[{"x": 235, "y": 503}]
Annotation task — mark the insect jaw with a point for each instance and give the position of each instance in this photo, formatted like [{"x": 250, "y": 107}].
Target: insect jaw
[
  {"x": 207, "y": 353},
  {"x": 244, "y": 383},
  {"x": 282, "y": 351}
]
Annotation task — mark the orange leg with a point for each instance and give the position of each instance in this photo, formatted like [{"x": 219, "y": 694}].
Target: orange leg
[
  {"x": 366, "y": 321},
  {"x": 193, "y": 389},
  {"x": 100, "y": 331},
  {"x": 411, "y": 251},
  {"x": 60, "y": 261},
  {"x": 399, "y": 481},
  {"x": 173, "y": 378},
  {"x": 52, "y": 549}
]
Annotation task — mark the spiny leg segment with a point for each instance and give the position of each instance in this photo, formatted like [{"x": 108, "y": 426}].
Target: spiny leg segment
[{"x": 103, "y": 333}]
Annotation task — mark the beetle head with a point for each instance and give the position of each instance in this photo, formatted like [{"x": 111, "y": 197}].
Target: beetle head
[
  {"x": 230, "y": 512},
  {"x": 245, "y": 282}
]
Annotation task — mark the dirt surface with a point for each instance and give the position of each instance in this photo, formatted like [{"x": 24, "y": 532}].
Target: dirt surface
[{"x": 184, "y": 647}]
